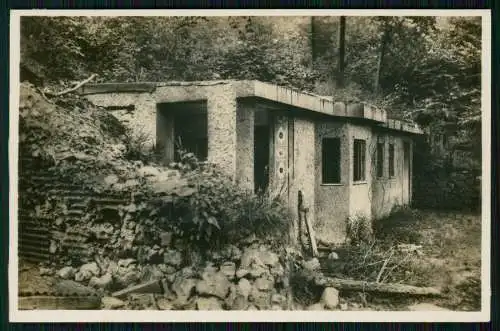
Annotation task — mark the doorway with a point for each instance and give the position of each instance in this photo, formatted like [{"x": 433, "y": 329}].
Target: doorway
[
  {"x": 261, "y": 157},
  {"x": 406, "y": 172}
]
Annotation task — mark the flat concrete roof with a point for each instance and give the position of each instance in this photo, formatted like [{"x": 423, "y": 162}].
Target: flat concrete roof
[{"x": 280, "y": 94}]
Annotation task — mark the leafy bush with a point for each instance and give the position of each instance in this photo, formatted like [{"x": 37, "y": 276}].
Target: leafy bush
[
  {"x": 220, "y": 212},
  {"x": 358, "y": 230},
  {"x": 138, "y": 146}
]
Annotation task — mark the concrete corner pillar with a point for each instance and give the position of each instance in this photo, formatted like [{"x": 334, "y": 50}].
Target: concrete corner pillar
[
  {"x": 165, "y": 135},
  {"x": 221, "y": 117},
  {"x": 245, "y": 120}
]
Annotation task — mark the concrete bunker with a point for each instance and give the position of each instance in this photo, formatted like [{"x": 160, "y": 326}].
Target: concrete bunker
[{"x": 346, "y": 159}]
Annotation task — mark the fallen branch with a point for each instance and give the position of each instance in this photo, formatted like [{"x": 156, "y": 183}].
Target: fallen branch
[
  {"x": 357, "y": 285},
  {"x": 395, "y": 266},
  {"x": 74, "y": 88},
  {"x": 383, "y": 267},
  {"x": 43, "y": 95}
]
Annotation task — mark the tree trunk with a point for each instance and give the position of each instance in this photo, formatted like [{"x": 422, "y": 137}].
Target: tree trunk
[
  {"x": 357, "y": 285},
  {"x": 313, "y": 42},
  {"x": 382, "y": 50},
  {"x": 341, "y": 52}
]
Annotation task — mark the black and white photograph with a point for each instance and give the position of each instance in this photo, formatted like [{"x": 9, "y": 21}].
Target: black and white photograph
[{"x": 249, "y": 165}]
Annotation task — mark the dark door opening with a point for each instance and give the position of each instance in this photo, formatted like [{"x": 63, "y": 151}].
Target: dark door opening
[
  {"x": 261, "y": 158},
  {"x": 407, "y": 170}
]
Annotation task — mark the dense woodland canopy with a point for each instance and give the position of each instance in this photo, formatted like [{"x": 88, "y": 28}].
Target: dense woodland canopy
[{"x": 424, "y": 68}]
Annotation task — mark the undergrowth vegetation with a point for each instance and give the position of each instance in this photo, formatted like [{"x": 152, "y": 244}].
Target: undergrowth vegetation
[
  {"x": 217, "y": 212},
  {"x": 421, "y": 248}
]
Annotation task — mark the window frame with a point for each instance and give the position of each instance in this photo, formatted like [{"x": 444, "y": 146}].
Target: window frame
[
  {"x": 359, "y": 162},
  {"x": 337, "y": 180}
]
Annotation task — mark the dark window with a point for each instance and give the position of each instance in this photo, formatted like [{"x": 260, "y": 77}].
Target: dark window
[
  {"x": 380, "y": 160},
  {"x": 190, "y": 129},
  {"x": 359, "y": 159},
  {"x": 331, "y": 160},
  {"x": 391, "y": 160}
]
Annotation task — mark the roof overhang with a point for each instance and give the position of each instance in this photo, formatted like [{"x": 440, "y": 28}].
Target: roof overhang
[{"x": 272, "y": 92}]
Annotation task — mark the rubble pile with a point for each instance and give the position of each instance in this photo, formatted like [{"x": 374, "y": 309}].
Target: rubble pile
[{"x": 245, "y": 277}]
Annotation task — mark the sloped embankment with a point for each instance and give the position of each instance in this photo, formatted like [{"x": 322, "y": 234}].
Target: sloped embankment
[{"x": 71, "y": 167}]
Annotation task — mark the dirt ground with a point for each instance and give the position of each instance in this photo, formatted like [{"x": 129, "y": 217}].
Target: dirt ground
[{"x": 450, "y": 260}]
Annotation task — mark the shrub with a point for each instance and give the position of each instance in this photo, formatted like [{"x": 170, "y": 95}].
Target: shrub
[
  {"x": 138, "y": 146},
  {"x": 358, "y": 230},
  {"x": 220, "y": 212}
]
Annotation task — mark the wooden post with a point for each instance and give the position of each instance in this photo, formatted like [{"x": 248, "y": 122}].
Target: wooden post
[{"x": 310, "y": 230}]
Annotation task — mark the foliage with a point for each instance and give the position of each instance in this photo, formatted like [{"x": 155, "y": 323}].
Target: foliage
[
  {"x": 358, "y": 230},
  {"x": 219, "y": 212},
  {"x": 138, "y": 146}
]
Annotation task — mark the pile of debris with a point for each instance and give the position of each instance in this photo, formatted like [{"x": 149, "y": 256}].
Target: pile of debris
[{"x": 245, "y": 277}]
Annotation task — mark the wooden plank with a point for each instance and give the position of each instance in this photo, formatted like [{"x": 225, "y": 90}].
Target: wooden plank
[
  {"x": 312, "y": 236},
  {"x": 117, "y": 88}
]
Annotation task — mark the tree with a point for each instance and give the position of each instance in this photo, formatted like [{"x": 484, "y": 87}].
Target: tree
[{"x": 341, "y": 52}]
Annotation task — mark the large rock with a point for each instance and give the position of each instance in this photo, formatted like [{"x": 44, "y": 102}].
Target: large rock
[
  {"x": 74, "y": 288},
  {"x": 277, "y": 270},
  {"x": 112, "y": 268},
  {"x": 330, "y": 298},
  {"x": 126, "y": 262},
  {"x": 183, "y": 287},
  {"x": 148, "y": 171},
  {"x": 268, "y": 258},
  {"x": 214, "y": 284},
  {"x": 312, "y": 264},
  {"x": 236, "y": 300},
  {"x": 228, "y": 269},
  {"x": 87, "y": 271},
  {"x": 264, "y": 283},
  {"x": 66, "y": 273},
  {"x": 231, "y": 252},
  {"x": 257, "y": 270},
  {"x": 261, "y": 299},
  {"x": 333, "y": 256},
  {"x": 103, "y": 282},
  {"x": 316, "y": 306},
  {"x": 242, "y": 273},
  {"x": 164, "y": 304},
  {"x": 250, "y": 256},
  {"x": 111, "y": 303},
  {"x": 239, "y": 303},
  {"x": 148, "y": 255},
  {"x": 126, "y": 274},
  {"x": 208, "y": 304},
  {"x": 244, "y": 287},
  {"x": 142, "y": 301},
  {"x": 151, "y": 272},
  {"x": 278, "y": 299}
]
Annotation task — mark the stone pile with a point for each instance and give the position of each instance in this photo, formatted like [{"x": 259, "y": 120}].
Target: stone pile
[{"x": 246, "y": 277}]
